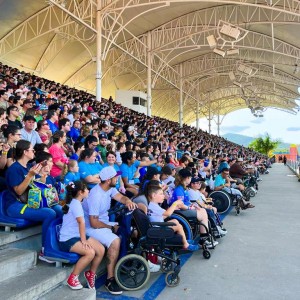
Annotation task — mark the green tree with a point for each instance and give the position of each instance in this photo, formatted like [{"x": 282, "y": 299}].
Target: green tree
[{"x": 264, "y": 144}]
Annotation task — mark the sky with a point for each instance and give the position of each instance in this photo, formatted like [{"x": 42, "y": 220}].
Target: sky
[{"x": 279, "y": 125}]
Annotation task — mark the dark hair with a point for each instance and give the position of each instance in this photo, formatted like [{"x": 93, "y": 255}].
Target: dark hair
[
  {"x": 126, "y": 156},
  {"x": 151, "y": 189},
  {"x": 41, "y": 156},
  {"x": 63, "y": 122},
  {"x": 90, "y": 139},
  {"x": 2, "y": 111},
  {"x": 86, "y": 153},
  {"x": 40, "y": 147},
  {"x": 111, "y": 152},
  {"x": 50, "y": 114},
  {"x": 21, "y": 146},
  {"x": 9, "y": 129},
  {"x": 57, "y": 135},
  {"x": 78, "y": 145},
  {"x": 119, "y": 145},
  {"x": 40, "y": 124},
  {"x": 202, "y": 185},
  {"x": 73, "y": 189}
]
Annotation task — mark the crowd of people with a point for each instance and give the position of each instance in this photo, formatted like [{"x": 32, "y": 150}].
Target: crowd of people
[{"x": 101, "y": 150}]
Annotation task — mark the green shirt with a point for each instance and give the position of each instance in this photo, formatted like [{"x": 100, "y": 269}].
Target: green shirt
[{"x": 102, "y": 150}]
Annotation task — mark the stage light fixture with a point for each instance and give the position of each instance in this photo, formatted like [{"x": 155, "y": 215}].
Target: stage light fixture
[
  {"x": 245, "y": 69},
  {"x": 232, "y": 51},
  {"x": 219, "y": 52},
  {"x": 232, "y": 76},
  {"x": 212, "y": 42},
  {"x": 230, "y": 31}
]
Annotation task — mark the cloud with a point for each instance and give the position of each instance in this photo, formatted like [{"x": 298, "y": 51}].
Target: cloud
[
  {"x": 293, "y": 129},
  {"x": 258, "y": 121},
  {"x": 234, "y": 128}
]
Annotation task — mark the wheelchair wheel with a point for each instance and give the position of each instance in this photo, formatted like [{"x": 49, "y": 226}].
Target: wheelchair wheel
[
  {"x": 206, "y": 254},
  {"x": 189, "y": 233},
  {"x": 222, "y": 201},
  {"x": 132, "y": 272},
  {"x": 166, "y": 265},
  {"x": 172, "y": 279}
]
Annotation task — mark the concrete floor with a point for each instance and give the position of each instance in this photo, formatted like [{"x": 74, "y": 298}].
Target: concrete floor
[{"x": 259, "y": 258}]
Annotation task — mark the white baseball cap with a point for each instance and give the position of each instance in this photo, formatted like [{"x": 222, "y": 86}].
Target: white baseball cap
[{"x": 108, "y": 173}]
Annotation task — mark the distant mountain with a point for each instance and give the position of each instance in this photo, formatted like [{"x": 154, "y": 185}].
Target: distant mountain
[
  {"x": 245, "y": 140},
  {"x": 239, "y": 139}
]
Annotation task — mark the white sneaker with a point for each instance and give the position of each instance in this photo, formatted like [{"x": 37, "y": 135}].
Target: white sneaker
[
  {"x": 221, "y": 231},
  {"x": 209, "y": 244},
  {"x": 153, "y": 267}
]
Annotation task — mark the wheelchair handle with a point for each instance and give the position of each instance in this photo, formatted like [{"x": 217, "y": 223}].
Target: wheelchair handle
[
  {"x": 114, "y": 210},
  {"x": 163, "y": 224}
]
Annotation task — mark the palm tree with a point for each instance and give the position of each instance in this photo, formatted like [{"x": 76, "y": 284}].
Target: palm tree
[{"x": 264, "y": 144}]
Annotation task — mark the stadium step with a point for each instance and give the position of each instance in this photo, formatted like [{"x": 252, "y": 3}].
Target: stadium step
[
  {"x": 14, "y": 262},
  {"x": 29, "y": 238},
  {"x": 33, "y": 283},
  {"x": 65, "y": 293}
]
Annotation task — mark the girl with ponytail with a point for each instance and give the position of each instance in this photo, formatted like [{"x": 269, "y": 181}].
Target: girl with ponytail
[{"x": 73, "y": 237}]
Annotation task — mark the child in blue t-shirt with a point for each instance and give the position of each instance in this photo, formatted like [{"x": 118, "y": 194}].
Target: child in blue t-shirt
[
  {"x": 73, "y": 238},
  {"x": 73, "y": 172}
]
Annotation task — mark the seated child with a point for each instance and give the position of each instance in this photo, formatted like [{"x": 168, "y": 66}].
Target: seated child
[
  {"x": 73, "y": 238},
  {"x": 196, "y": 192},
  {"x": 73, "y": 174},
  {"x": 157, "y": 214}
]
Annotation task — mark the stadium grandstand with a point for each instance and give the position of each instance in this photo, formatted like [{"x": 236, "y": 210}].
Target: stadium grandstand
[{"x": 106, "y": 187}]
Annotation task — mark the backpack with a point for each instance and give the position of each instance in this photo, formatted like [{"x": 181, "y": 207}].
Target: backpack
[{"x": 41, "y": 195}]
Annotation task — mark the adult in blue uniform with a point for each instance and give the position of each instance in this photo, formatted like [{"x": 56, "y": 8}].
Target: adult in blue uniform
[{"x": 18, "y": 178}]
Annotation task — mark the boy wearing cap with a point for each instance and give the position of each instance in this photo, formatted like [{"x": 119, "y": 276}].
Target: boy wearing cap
[
  {"x": 101, "y": 148},
  {"x": 96, "y": 208}
]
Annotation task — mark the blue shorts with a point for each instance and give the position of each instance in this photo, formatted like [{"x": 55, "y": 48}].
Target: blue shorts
[{"x": 67, "y": 245}]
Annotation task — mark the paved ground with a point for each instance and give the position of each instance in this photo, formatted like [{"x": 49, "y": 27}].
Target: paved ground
[{"x": 258, "y": 259}]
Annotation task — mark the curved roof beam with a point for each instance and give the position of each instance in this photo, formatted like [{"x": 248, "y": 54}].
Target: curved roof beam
[
  {"x": 291, "y": 7},
  {"x": 241, "y": 15},
  {"x": 210, "y": 64},
  {"x": 41, "y": 23}
]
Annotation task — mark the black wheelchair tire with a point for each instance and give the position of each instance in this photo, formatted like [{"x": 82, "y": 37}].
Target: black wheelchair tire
[
  {"x": 129, "y": 266},
  {"x": 222, "y": 201}
]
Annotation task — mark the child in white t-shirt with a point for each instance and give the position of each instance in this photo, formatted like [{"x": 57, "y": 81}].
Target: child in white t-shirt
[
  {"x": 73, "y": 238},
  {"x": 157, "y": 214}
]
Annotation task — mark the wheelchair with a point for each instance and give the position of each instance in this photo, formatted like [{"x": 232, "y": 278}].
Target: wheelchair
[
  {"x": 222, "y": 201},
  {"x": 154, "y": 238},
  {"x": 251, "y": 186}
]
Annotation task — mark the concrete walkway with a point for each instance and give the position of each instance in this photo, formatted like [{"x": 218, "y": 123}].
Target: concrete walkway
[{"x": 260, "y": 257}]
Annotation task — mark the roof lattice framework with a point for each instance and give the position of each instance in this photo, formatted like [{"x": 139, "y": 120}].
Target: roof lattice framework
[{"x": 56, "y": 39}]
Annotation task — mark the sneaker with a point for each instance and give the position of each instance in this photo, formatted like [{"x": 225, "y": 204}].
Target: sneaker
[
  {"x": 221, "y": 231},
  {"x": 74, "y": 283},
  {"x": 153, "y": 267},
  {"x": 43, "y": 258},
  {"x": 112, "y": 286},
  {"x": 258, "y": 179},
  {"x": 209, "y": 245},
  {"x": 90, "y": 278}
]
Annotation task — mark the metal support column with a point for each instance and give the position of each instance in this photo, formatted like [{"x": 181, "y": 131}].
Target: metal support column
[
  {"x": 181, "y": 98},
  {"x": 149, "y": 80},
  {"x": 99, "y": 52},
  {"x": 218, "y": 123},
  {"x": 197, "y": 116},
  {"x": 209, "y": 118}
]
